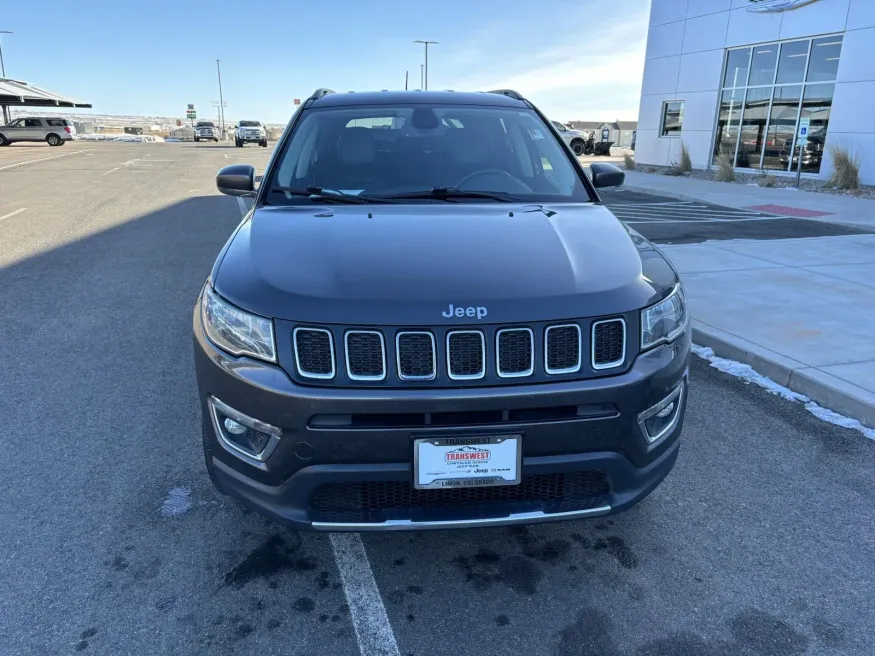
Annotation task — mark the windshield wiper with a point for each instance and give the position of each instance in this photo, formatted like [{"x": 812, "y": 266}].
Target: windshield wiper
[
  {"x": 318, "y": 193},
  {"x": 449, "y": 193}
]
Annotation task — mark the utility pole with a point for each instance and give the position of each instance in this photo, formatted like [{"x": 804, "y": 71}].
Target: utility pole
[
  {"x": 405, "y": 79},
  {"x": 420, "y": 77},
  {"x": 221, "y": 100},
  {"x": 425, "y": 73},
  {"x": 6, "y": 116}
]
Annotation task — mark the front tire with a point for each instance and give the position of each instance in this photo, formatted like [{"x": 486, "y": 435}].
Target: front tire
[
  {"x": 3, "y": 141},
  {"x": 577, "y": 147},
  {"x": 263, "y": 144},
  {"x": 53, "y": 140},
  {"x": 196, "y": 139},
  {"x": 216, "y": 139},
  {"x": 238, "y": 144}
]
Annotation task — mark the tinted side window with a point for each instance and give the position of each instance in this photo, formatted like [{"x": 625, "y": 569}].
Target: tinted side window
[
  {"x": 57, "y": 122},
  {"x": 32, "y": 123}
]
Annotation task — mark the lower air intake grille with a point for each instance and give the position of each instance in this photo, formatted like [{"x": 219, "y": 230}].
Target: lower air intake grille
[
  {"x": 365, "y": 355},
  {"x": 563, "y": 349},
  {"x": 416, "y": 356},
  {"x": 608, "y": 343},
  {"x": 514, "y": 347},
  {"x": 377, "y": 501},
  {"x": 314, "y": 352},
  {"x": 465, "y": 354}
]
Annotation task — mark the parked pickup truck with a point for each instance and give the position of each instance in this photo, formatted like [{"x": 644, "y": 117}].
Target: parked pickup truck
[
  {"x": 250, "y": 132},
  {"x": 206, "y": 131}
]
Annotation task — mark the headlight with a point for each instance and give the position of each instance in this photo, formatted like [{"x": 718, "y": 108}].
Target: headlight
[
  {"x": 664, "y": 321},
  {"x": 236, "y": 331}
]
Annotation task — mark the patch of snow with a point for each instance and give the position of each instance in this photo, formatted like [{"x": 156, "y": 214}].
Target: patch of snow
[
  {"x": 127, "y": 138},
  {"x": 178, "y": 502},
  {"x": 747, "y": 374}
]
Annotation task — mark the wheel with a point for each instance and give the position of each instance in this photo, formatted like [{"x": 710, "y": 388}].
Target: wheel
[
  {"x": 196, "y": 139},
  {"x": 3, "y": 141},
  {"x": 53, "y": 140},
  {"x": 238, "y": 144},
  {"x": 216, "y": 139},
  {"x": 263, "y": 144},
  {"x": 577, "y": 147}
]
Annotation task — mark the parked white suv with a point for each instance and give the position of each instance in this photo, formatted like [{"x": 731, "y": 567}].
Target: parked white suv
[
  {"x": 250, "y": 132},
  {"x": 54, "y": 131}
]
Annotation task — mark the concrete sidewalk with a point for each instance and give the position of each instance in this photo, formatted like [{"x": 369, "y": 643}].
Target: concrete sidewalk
[
  {"x": 800, "y": 311},
  {"x": 845, "y": 210}
]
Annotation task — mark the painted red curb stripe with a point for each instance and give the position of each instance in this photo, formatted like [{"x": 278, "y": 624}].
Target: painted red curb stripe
[{"x": 789, "y": 211}]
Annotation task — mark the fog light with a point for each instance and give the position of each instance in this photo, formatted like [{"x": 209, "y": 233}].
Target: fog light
[
  {"x": 658, "y": 421},
  {"x": 242, "y": 435}
]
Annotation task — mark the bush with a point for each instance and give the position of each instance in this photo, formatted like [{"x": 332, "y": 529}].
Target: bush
[
  {"x": 651, "y": 169},
  {"x": 684, "y": 165},
  {"x": 766, "y": 180},
  {"x": 725, "y": 169},
  {"x": 846, "y": 173},
  {"x": 629, "y": 162}
]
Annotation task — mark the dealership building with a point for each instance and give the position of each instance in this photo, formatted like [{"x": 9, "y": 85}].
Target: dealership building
[{"x": 737, "y": 79}]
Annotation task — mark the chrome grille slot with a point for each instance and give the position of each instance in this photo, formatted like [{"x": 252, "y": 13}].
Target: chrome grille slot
[
  {"x": 562, "y": 349},
  {"x": 466, "y": 354},
  {"x": 314, "y": 352},
  {"x": 365, "y": 355},
  {"x": 515, "y": 352},
  {"x": 416, "y": 356},
  {"x": 608, "y": 343}
]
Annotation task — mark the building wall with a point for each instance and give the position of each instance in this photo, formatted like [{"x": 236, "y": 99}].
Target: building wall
[{"x": 686, "y": 43}]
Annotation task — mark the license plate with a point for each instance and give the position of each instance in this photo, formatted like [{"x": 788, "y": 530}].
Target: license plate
[{"x": 476, "y": 461}]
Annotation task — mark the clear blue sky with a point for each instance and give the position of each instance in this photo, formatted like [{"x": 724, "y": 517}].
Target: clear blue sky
[{"x": 577, "y": 59}]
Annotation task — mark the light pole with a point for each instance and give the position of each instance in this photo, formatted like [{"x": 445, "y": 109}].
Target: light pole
[
  {"x": 221, "y": 100},
  {"x": 425, "y": 74},
  {"x": 420, "y": 76},
  {"x": 6, "y": 116}
]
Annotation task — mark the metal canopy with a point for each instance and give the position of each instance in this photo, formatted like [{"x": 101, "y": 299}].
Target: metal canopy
[{"x": 16, "y": 93}]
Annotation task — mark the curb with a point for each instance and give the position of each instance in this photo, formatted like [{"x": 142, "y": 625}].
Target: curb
[
  {"x": 661, "y": 192},
  {"x": 824, "y": 389}
]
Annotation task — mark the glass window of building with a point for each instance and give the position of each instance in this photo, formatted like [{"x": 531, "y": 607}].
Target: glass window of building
[
  {"x": 672, "y": 118},
  {"x": 766, "y": 90}
]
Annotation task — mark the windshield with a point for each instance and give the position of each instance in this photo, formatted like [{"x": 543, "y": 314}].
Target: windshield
[
  {"x": 386, "y": 151},
  {"x": 250, "y": 124},
  {"x": 205, "y": 124}
]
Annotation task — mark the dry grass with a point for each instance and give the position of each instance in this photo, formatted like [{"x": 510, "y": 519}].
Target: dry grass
[
  {"x": 846, "y": 173},
  {"x": 629, "y": 162},
  {"x": 725, "y": 166},
  {"x": 651, "y": 169},
  {"x": 766, "y": 180},
  {"x": 683, "y": 165}
]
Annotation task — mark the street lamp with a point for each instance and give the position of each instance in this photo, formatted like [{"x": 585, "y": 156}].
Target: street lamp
[
  {"x": 425, "y": 76},
  {"x": 221, "y": 100},
  {"x": 6, "y": 116}
]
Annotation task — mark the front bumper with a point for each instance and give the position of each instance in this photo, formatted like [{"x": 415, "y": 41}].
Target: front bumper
[{"x": 603, "y": 440}]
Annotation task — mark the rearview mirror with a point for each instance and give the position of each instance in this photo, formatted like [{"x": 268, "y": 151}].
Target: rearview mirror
[
  {"x": 606, "y": 175},
  {"x": 236, "y": 180}
]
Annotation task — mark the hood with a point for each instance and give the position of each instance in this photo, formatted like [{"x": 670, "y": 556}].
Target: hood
[{"x": 406, "y": 264}]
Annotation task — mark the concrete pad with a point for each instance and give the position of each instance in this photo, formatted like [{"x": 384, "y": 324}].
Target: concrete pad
[
  {"x": 836, "y": 394},
  {"x": 700, "y": 258},
  {"x": 814, "y": 319},
  {"x": 862, "y": 274},
  {"x": 861, "y": 374},
  {"x": 816, "y": 251}
]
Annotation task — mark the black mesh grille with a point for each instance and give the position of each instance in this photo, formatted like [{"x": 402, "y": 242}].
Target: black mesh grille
[
  {"x": 377, "y": 501},
  {"x": 563, "y": 348},
  {"x": 416, "y": 355},
  {"x": 466, "y": 354},
  {"x": 313, "y": 348},
  {"x": 364, "y": 352},
  {"x": 608, "y": 341},
  {"x": 514, "y": 352}
]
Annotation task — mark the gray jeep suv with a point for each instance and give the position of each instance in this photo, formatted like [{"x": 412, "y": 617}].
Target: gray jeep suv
[{"x": 428, "y": 319}]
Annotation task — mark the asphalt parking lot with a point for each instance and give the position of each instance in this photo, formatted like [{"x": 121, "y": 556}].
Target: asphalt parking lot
[{"x": 760, "y": 542}]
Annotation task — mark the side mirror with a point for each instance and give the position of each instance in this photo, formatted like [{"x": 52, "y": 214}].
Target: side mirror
[
  {"x": 606, "y": 175},
  {"x": 236, "y": 180}
]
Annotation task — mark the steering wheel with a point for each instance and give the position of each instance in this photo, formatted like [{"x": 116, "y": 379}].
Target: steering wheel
[{"x": 503, "y": 178}]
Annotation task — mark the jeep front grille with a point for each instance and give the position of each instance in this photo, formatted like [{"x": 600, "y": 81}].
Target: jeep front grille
[
  {"x": 608, "y": 343},
  {"x": 562, "y": 347},
  {"x": 314, "y": 352},
  {"x": 416, "y": 355},
  {"x": 515, "y": 348},
  {"x": 466, "y": 354},
  {"x": 365, "y": 355}
]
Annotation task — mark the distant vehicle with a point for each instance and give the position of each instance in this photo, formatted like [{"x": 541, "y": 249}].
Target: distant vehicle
[
  {"x": 250, "y": 132},
  {"x": 206, "y": 131},
  {"x": 812, "y": 155},
  {"x": 54, "y": 131},
  {"x": 574, "y": 138}
]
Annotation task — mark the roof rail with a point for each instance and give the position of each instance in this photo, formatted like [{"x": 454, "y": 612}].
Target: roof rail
[
  {"x": 321, "y": 92},
  {"x": 510, "y": 93}
]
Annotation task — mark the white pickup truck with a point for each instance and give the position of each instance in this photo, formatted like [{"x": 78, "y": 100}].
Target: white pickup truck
[
  {"x": 250, "y": 132},
  {"x": 206, "y": 131}
]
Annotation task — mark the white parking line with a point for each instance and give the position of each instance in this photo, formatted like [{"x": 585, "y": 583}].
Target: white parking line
[
  {"x": 369, "y": 619},
  {"x": 11, "y": 214},
  {"x": 111, "y": 170},
  {"x": 242, "y": 205},
  {"x": 41, "y": 159}
]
